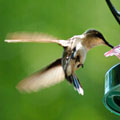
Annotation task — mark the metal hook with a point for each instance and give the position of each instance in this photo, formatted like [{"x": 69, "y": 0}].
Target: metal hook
[{"x": 114, "y": 11}]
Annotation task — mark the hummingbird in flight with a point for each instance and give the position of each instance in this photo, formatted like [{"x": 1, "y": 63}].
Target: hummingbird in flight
[{"x": 74, "y": 55}]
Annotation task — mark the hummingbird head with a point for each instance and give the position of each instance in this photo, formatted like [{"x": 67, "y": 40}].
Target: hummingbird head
[{"x": 95, "y": 38}]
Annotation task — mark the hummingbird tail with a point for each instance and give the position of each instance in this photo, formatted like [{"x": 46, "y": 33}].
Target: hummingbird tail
[
  {"x": 77, "y": 85},
  {"x": 73, "y": 79}
]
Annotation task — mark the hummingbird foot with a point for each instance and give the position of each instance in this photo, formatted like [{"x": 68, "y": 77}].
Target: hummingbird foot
[{"x": 80, "y": 65}]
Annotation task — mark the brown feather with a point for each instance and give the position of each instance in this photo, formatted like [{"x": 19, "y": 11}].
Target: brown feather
[
  {"x": 49, "y": 76},
  {"x": 35, "y": 37}
]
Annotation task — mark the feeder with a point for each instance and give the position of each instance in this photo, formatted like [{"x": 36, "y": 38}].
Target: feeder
[{"x": 111, "y": 97}]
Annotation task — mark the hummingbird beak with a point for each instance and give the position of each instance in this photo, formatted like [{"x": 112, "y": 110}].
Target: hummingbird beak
[{"x": 108, "y": 44}]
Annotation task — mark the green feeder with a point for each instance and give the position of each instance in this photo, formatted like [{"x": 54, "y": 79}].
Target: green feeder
[{"x": 111, "y": 97}]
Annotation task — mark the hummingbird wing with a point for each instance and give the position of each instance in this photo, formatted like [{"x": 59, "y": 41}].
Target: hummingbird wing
[
  {"x": 35, "y": 37},
  {"x": 49, "y": 76}
]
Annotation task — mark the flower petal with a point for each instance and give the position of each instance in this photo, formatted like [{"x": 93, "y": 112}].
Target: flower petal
[{"x": 115, "y": 51}]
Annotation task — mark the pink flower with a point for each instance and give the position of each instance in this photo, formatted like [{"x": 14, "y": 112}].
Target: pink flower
[{"x": 115, "y": 51}]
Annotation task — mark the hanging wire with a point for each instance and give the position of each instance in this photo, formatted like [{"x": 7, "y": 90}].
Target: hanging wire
[{"x": 114, "y": 11}]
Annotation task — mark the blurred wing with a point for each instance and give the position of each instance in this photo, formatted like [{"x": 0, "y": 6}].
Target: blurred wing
[
  {"x": 35, "y": 37},
  {"x": 49, "y": 76}
]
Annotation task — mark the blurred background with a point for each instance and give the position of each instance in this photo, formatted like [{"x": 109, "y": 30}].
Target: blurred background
[{"x": 62, "y": 19}]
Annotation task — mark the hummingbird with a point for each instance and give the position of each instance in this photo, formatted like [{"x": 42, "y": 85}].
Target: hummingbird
[{"x": 73, "y": 58}]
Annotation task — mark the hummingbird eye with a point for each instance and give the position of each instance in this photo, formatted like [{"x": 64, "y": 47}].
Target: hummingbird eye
[{"x": 99, "y": 35}]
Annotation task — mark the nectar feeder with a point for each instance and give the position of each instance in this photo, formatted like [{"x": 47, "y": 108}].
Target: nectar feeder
[{"x": 111, "y": 97}]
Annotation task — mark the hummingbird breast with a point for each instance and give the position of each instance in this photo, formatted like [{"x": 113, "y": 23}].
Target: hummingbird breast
[
  {"x": 80, "y": 57},
  {"x": 73, "y": 58}
]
